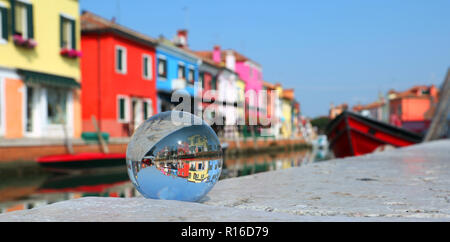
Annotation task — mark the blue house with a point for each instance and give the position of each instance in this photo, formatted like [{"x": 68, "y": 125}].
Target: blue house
[{"x": 177, "y": 69}]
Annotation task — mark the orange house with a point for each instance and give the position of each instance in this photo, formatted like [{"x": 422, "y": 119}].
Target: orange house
[{"x": 413, "y": 109}]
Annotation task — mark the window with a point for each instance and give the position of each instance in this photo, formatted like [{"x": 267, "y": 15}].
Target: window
[
  {"x": 201, "y": 79},
  {"x": 3, "y": 24},
  {"x": 191, "y": 76},
  {"x": 181, "y": 72},
  {"x": 56, "y": 105},
  {"x": 67, "y": 32},
  {"x": 121, "y": 60},
  {"x": 250, "y": 72},
  {"x": 147, "y": 109},
  {"x": 147, "y": 67},
  {"x": 214, "y": 83},
  {"x": 22, "y": 19},
  {"x": 122, "y": 108},
  {"x": 162, "y": 68}
]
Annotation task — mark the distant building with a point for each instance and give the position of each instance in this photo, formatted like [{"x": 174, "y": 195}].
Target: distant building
[
  {"x": 39, "y": 69},
  {"x": 376, "y": 110},
  {"x": 227, "y": 87},
  {"x": 247, "y": 70},
  {"x": 119, "y": 76},
  {"x": 287, "y": 111},
  {"x": 414, "y": 108},
  {"x": 336, "y": 110}
]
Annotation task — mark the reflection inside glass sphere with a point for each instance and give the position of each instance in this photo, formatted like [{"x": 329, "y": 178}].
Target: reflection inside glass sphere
[{"x": 176, "y": 161}]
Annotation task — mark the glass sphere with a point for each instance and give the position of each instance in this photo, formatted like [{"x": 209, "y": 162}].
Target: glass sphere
[{"x": 175, "y": 156}]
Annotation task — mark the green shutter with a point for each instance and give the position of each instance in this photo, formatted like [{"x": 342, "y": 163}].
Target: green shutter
[
  {"x": 145, "y": 67},
  {"x": 119, "y": 59},
  {"x": 61, "y": 31},
  {"x": 121, "y": 109},
  {"x": 4, "y": 32},
  {"x": 13, "y": 18},
  {"x": 145, "y": 110},
  {"x": 74, "y": 43},
  {"x": 30, "y": 21}
]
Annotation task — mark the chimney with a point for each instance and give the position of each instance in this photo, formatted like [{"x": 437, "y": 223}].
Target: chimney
[
  {"x": 230, "y": 60},
  {"x": 182, "y": 38},
  {"x": 217, "y": 57}
]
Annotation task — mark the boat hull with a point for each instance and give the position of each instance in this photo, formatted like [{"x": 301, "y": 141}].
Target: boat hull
[
  {"x": 351, "y": 134},
  {"x": 82, "y": 160}
]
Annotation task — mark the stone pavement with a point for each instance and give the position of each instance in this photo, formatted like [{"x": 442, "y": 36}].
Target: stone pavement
[{"x": 409, "y": 184}]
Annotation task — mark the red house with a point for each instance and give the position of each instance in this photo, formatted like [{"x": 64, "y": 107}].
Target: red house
[{"x": 118, "y": 76}]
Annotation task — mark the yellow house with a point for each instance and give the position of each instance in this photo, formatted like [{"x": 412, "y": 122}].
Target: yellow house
[
  {"x": 39, "y": 68},
  {"x": 286, "y": 109},
  {"x": 240, "y": 89}
]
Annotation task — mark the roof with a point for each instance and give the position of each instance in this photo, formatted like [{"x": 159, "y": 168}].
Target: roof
[
  {"x": 288, "y": 94},
  {"x": 375, "y": 104},
  {"x": 269, "y": 85},
  {"x": 91, "y": 22},
  {"x": 239, "y": 57},
  {"x": 418, "y": 91}
]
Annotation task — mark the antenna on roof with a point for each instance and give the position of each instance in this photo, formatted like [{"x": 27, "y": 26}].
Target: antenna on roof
[
  {"x": 117, "y": 11},
  {"x": 186, "y": 17}
]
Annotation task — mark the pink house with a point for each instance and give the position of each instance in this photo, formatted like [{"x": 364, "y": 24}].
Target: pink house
[
  {"x": 251, "y": 73},
  {"x": 248, "y": 71}
]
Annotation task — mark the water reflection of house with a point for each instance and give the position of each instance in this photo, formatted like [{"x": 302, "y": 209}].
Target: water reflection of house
[{"x": 198, "y": 171}]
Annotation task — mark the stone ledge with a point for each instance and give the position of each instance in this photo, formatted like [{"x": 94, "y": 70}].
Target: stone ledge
[{"x": 409, "y": 184}]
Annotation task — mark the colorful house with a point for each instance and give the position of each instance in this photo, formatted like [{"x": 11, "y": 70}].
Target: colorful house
[
  {"x": 287, "y": 99},
  {"x": 249, "y": 72},
  {"x": 118, "y": 76},
  {"x": 268, "y": 111},
  {"x": 375, "y": 110},
  {"x": 39, "y": 69},
  {"x": 240, "y": 111},
  {"x": 208, "y": 73},
  {"x": 414, "y": 108},
  {"x": 227, "y": 92},
  {"x": 177, "y": 69}
]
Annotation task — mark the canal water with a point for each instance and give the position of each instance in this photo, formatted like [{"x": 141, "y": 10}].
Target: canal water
[{"x": 31, "y": 186}]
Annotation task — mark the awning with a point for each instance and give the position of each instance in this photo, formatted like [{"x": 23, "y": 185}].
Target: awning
[{"x": 48, "y": 79}]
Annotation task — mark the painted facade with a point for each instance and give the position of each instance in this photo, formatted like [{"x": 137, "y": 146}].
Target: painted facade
[
  {"x": 39, "y": 79},
  {"x": 177, "y": 69},
  {"x": 119, "y": 76},
  {"x": 208, "y": 73},
  {"x": 227, "y": 90},
  {"x": 414, "y": 108},
  {"x": 287, "y": 113}
]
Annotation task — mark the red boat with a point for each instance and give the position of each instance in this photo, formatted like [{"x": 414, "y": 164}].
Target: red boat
[
  {"x": 82, "y": 160},
  {"x": 351, "y": 134}
]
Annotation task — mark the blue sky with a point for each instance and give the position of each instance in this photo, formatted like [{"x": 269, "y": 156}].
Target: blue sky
[{"x": 329, "y": 51}]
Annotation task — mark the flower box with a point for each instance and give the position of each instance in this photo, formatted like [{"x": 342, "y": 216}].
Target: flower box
[
  {"x": 27, "y": 43},
  {"x": 70, "y": 53}
]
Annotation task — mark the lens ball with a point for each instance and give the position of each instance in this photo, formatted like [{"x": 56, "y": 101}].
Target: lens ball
[{"x": 175, "y": 156}]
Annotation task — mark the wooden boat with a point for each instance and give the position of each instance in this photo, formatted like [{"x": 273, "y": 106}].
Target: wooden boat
[
  {"x": 82, "y": 160},
  {"x": 351, "y": 134}
]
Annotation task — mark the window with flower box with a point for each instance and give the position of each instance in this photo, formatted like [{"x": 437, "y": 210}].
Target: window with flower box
[
  {"x": 67, "y": 31},
  {"x": 22, "y": 23}
]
